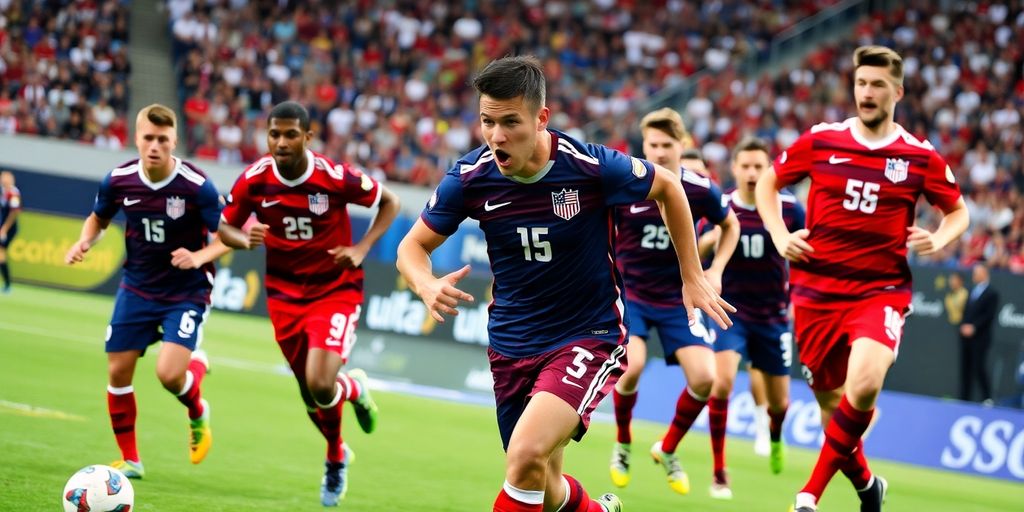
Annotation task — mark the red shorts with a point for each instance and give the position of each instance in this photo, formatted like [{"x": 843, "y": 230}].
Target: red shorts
[
  {"x": 580, "y": 373},
  {"x": 328, "y": 324},
  {"x": 824, "y": 335}
]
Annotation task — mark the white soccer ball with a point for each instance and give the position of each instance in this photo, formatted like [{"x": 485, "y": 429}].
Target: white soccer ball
[{"x": 98, "y": 488}]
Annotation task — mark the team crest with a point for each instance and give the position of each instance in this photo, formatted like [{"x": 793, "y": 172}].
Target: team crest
[
  {"x": 896, "y": 169},
  {"x": 175, "y": 207},
  {"x": 318, "y": 203},
  {"x": 566, "y": 203},
  {"x": 639, "y": 169}
]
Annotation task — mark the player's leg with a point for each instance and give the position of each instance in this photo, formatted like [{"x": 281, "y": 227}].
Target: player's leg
[
  {"x": 576, "y": 498},
  {"x": 771, "y": 354},
  {"x": 182, "y": 374},
  {"x": 729, "y": 348},
  {"x": 762, "y": 443},
  {"x": 624, "y": 396},
  {"x": 5, "y": 271}
]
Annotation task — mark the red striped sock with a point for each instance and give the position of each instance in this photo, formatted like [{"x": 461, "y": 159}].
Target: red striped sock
[
  {"x": 330, "y": 427},
  {"x": 842, "y": 436},
  {"x": 350, "y": 389},
  {"x": 776, "y": 419},
  {"x": 624, "y": 414},
  {"x": 687, "y": 409},
  {"x": 576, "y": 499},
  {"x": 511, "y": 499},
  {"x": 191, "y": 395},
  {"x": 718, "y": 415},
  {"x": 121, "y": 405},
  {"x": 856, "y": 468}
]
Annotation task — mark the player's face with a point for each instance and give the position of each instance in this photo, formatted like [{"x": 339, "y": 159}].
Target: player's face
[
  {"x": 511, "y": 131},
  {"x": 155, "y": 143},
  {"x": 876, "y": 95},
  {"x": 747, "y": 167},
  {"x": 287, "y": 142},
  {"x": 662, "y": 149},
  {"x": 6, "y": 179}
]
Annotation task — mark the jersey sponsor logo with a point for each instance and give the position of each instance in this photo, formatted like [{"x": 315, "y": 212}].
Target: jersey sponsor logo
[
  {"x": 834, "y": 160},
  {"x": 639, "y": 169},
  {"x": 268, "y": 204},
  {"x": 130, "y": 202},
  {"x": 488, "y": 207},
  {"x": 175, "y": 207},
  {"x": 318, "y": 203},
  {"x": 566, "y": 203},
  {"x": 896, "y": 169}
]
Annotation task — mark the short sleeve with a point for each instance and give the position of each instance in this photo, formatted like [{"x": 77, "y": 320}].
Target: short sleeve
[
  {"x": 717, "y": 210},
  {"x": 445, "y": 209},
  {"x": 239, "y": 204},
  {"x": 105, "y": 206},
  {"x": 359, "y": 187},
  {"x": 209, "y": 205},
  {"x": 940, "y": 187},
  {"x": 794, "y": 164},
  {"x": 15, "y": 201},
  {"x": 626, "y": 179}
]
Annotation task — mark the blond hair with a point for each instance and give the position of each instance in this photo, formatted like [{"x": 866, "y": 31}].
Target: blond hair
[
  {"x": 159, "y": 115},
  {"x": 670, "y": 122},
  {"x": 882, "y": 57}
]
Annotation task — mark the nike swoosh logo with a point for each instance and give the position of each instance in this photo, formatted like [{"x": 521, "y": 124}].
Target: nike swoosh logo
[
  {"x": 491, "y": 207},
  {"x": 566, "y": 380},
  {"x": 267, "y": 204},
  {"x": 638, "y": 209},
  {"x": 835, "y": 160},
  {"x": 129, "y": 202}
]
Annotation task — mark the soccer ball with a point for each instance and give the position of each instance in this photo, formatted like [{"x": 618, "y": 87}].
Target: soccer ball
[{"x": 98, "y": 488}]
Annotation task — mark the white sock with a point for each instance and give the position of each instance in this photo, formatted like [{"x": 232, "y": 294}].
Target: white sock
[{"x": 524, "y": 496}]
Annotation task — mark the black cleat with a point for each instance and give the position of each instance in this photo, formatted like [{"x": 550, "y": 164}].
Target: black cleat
[{"x": 872, "y": 498}]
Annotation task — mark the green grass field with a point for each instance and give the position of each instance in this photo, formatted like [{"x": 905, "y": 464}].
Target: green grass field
[{"x": 427, "y": 455}]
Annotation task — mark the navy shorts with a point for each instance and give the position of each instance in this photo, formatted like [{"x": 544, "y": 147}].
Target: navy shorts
[
  {"x": 768, "y": 347},
  {"x": 10, "y": 237},
  {"x": 674, "y": 330},
  {"x": 137, "y": 323}
]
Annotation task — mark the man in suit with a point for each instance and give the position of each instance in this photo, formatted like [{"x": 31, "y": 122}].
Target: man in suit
[{"x": 976, "y": 334}]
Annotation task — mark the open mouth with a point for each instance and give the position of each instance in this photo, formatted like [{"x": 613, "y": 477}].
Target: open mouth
[{"x": 502, "y": 157}]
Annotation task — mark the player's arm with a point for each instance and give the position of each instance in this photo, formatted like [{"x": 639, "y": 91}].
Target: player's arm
[
  {"x": 92, "y": 231},
  {"x": 12, "y": 216},
  {"x": 439, "y": 294},
  {"x": 954, "y": 222},
  {"x": 730, "y": 236},
  {"x": 707, "y": 242},
  {"x": 792, "y": 246},
  {"x": 387, "y": 210},
  {"x": 233, "y": 219},
  {"x": 185, "y": 259},
  {"x": 236, "y": 238},
  {"x": 667, "y": 190}
]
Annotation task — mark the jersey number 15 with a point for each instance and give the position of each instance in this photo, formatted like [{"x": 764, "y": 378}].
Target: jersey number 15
[{"x": 534, "y": 247}]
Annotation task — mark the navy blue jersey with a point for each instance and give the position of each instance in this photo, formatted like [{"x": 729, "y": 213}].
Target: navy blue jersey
[
  {"x": 10, "y": 200},
  {"x": 645, "y": 255},
  {"x": 180, "y": 211},
  {"x": 757, "y": 276},
  {"x": 550, "y": 240}
]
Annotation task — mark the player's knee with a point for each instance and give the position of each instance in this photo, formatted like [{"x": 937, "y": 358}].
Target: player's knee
[
  {"x": 171, "y": 380},
  {"x": 527, "y": 462},
  {"x": 722, "y": 387},
  {"x": 321, "y": 387},
  {"x": 701, "y": 383},
  {"x": 862, "y": 392}
]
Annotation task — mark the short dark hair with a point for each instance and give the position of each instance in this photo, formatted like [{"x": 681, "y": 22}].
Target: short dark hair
[
  {"x": 511, "y": 77},
  {"x": 882, "y": 57},
  {"x": 290, "y": 110},
  {"x": 692, "y": 154},
  {"x": 752, "y": 144}
]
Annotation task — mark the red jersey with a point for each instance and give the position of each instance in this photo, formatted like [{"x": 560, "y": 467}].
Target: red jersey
[
  {"x": 307, "y": 216},
  {"x": 861, "y": 201}
]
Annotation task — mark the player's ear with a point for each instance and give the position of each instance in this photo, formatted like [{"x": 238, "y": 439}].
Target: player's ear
[{"x": 543, "y": 115}]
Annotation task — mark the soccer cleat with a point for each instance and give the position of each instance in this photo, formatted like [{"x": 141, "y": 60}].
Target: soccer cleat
[
  {"x": 677, "y": 478},
  {"x": 334, "y": 484},
  {"x": 620, "y": 464},
  {"x": 200, "y": 435},
  {"x": 720, "y": 489},
  {"x": 129, "y": 468},
  {"x": 872, "y": 498},
  {"x": 778, "y": 456},
  {"x": 804, "y": 502},
  {"x": 366, "y": 409},
  {"x": 610, "y": 502}
]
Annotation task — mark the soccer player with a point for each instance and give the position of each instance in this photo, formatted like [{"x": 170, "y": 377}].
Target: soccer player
[
  {"x": 850, "y": 280},
  {"x": 314, "y": 271},
  {"x": 171, "y": 208},
  {"x": 10, "y": 208},
  {"x": 756, "y": 281},
  {"x": 654, "y": 295},
  {"x": 557, "y": 323}
]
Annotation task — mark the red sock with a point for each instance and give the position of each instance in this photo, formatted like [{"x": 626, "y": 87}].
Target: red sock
[
  {"x": 524, "y": 501},
  {"x": 577, "y": 500},
  {"x": 121, "y": 404},
  {"x": 776, "y": 418},
  {"x": 350, "y": 389},
  {"x": 624, "y": 414},
  {"x": 190, "y": 395},
  {"x": 687, "y": 410},
  {"x": 718, "y": 415},
  {"x": 329, "y": 420},
  {"x": 856, "y": 468},
  {"x": 842, "y": 436}
]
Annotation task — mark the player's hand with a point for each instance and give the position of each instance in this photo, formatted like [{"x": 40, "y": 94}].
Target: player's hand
[
  {"x": 184, "y": 259},
  {"x": 714, "y": 278},
  {"x": 442, "y": 297},
  {"x": 793, "y": 246},
  {"x": 77, "y": 252},
  {"x": 3, "y": 235},
  {"x": 347, "y": 257},
  {"x": 921, "y": 241},
  {"x": 257, "y": 234},
  {"x": 700, "y": 294}
]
